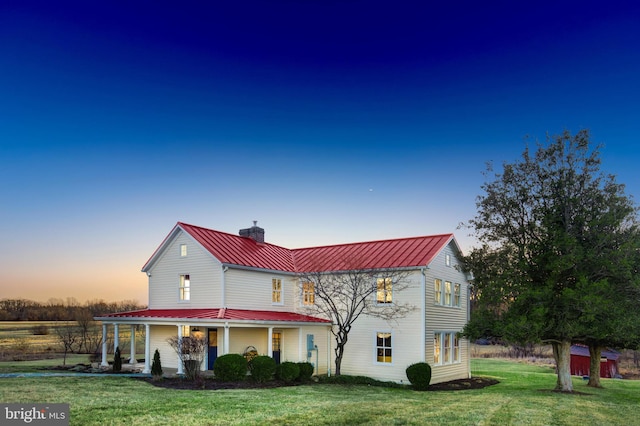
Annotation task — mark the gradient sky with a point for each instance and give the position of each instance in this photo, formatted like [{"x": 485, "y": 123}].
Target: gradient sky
[{"x": 326, "y": 121}]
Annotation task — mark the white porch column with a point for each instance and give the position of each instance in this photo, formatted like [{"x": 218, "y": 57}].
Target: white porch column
[
  {"x": 225, "y": 342},
  {"x": 104, "y": 362},
  {"x": 270, "y": 342},
  {"x": 180, "y": 366},
  {"x": 147, "y": 349},
  {"x": 116, "y": 337},
  {"x": 132, "y": 358}
]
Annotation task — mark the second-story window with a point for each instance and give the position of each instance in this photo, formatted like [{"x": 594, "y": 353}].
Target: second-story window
[
  {"x": 276, "y": 291},
  {"x": 447, "y": 293},
  {"x": 437, "y": 289},
  {"x": 185, "y": 287},
  {"x": 308, "y": 293},
  {"x": 384, "y": 290}
]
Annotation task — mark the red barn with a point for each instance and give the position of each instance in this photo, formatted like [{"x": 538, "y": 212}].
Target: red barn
[{"x": 580, "y": 362}]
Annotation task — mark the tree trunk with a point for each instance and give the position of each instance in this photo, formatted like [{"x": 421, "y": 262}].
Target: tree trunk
[
  {"x": 594, "y": 366},
  {"x": 339, "y": 351},
  {"x": 562, "y": 355}
]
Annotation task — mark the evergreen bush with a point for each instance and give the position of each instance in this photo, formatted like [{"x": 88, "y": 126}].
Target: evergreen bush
[
  {"x": 230, "y": 368},
  {"x": 306, "y": 371},
  {"x": 262, "y": 368},
  {"x": 117, "y": 361},
  {"x": 156, "y": 366},
  {"x": 419, "y": 375},
  {"x": 287, "y": 371}
]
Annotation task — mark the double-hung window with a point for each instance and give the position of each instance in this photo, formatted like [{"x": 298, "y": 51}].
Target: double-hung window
[
  {"x": 446, "y": 347},
  {"x": 384, "y": 290},
  {"x": 447, "y": 293},
  {"x": 456, "y": 295},
  {"x": 276, "y": 291},
  {"x": 383, "y": 347},
  {"x": 185, "y": 287},
  {"x": 308, "y": 293},
  {"x": 438, "y": 291}
]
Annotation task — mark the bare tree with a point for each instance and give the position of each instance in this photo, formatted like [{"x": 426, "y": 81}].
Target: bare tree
[
  {"x": 190, "y": 350},
  {"x": 344, "y": 296},
  {"x": 69, "y": 336}
]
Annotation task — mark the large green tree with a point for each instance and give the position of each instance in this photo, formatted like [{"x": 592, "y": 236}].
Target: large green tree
[{"x": 553, "y": 228}]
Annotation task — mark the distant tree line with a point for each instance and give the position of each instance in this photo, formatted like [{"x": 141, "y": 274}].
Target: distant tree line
[{"x": 56, "y": 309}]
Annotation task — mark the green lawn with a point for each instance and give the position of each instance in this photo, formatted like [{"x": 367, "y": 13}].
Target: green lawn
[{"x": 523, "y": 397}]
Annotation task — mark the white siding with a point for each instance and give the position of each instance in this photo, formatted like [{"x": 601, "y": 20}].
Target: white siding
[
  {"x": 446, "y": 318},
  {"x": 203, "y": 269},
  {"x": 158, "y": 340},
  {"x": 360, "y": 356},
  {"x": 252, "y": 290}
]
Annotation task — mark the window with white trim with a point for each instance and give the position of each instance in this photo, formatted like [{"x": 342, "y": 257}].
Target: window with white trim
[
  {"x": 384, "y": 291},
  {"x": 185, "y": 287},
  {"x": 447, "y": 259},
  {"x": 438, "y": 291},
  {"x": 446, "y": 347},
  {"x": 456, "y": 295},
  {"x": 447, "y": 293},
  {"x": 383, "y": 347},
  {"x": 308, "y": 293},
  {"x": 183, "y": 250},
  {"x": 276, "y": 291}
]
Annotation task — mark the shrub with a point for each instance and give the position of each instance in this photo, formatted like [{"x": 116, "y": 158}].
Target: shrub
[
  {"x": 287, "y": 371},
  {"x": 156, "y": 366},
  {"x": 419, "y": 375},
  {"x": 262, "y": 368},
  {"x": 230, "y": 368},
  {"x": 306, "y": 371},
  {"x": 117, "y": 361}
]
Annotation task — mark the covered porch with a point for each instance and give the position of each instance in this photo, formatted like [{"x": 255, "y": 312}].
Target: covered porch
[{"x": 285, "y": 336}]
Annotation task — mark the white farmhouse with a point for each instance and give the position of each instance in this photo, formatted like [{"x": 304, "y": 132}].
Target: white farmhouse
[{"x": 239, "y": 292}]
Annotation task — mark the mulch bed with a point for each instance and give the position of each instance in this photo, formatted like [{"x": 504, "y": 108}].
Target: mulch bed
[{"x": 209, "y": 384}]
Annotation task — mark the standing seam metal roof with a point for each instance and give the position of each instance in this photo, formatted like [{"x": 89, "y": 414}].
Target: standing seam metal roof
[{"x": 244, "y": 251}]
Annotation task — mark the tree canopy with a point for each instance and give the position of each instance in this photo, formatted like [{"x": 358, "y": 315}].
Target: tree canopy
[{"x": 559, "y": 242}]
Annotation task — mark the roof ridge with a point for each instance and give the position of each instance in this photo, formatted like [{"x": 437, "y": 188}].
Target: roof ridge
[{"x": 375, "y": 241}]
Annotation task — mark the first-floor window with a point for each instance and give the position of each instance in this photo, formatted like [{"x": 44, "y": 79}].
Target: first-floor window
[
  {"x": 185, "y": 287},
  {"x": 276, "y": 291},
  {"x": 446, "y": 347},
  {"x": 308, "y": 293},
  {"x": 383, "y": 347}
]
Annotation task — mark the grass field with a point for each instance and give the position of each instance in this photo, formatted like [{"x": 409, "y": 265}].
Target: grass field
[{"x": 523, "y": 397}]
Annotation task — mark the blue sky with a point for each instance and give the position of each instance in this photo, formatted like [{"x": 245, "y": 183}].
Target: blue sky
[{"x": 326, "y": 121}]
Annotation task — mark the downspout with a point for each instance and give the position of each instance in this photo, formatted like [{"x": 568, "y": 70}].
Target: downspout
[
  {"x": 223, "y": 286},
  {"x": 329, "y": 352},
  {"x": 423, "y": 320}
]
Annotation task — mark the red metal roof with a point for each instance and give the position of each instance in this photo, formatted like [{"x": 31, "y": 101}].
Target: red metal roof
[
  {"x": 244, "y": 251},
  {"x": 218, "y": 314}
]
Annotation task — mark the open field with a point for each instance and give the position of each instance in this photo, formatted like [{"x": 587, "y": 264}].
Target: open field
[
  {"x": 522, "y": 398},
  {"x": 26, "y": 340}
]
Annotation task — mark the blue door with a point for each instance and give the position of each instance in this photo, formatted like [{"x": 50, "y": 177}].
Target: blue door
[{"x": 212, "y": 338}]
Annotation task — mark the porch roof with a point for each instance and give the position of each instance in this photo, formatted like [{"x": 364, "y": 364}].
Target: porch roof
[{"x": 218, "y": 314}]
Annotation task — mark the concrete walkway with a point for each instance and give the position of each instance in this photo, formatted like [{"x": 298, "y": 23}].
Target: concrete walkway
[{"x": 71, "y": 374}]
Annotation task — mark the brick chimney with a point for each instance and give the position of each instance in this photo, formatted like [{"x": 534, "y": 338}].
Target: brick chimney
[{"x": 254, "y": 232}]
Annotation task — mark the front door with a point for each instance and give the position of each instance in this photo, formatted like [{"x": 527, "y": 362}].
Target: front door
[
  {"x": 212, "y": 338},
  {"x": 276, "y": 342}
]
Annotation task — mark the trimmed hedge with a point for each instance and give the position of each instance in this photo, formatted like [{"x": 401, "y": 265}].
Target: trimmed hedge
[
  {"x": 230, "y": 368},
  {"x": 262, "y": 368},
  {"x": 288, "y": 371},
  {"x": 306, "y": 371},
  {"x": 419, "y": 375}
]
